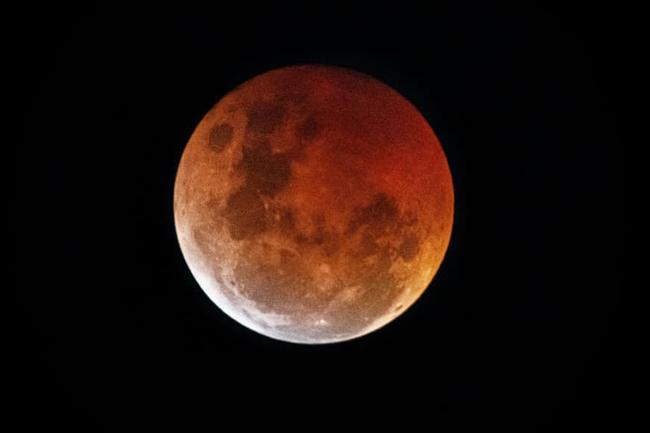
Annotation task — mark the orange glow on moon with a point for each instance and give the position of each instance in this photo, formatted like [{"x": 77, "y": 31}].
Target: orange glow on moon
[{"x": 313, "y": 204}]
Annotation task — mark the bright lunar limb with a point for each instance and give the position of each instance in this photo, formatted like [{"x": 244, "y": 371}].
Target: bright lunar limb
[{"x": 313, "y": 204}]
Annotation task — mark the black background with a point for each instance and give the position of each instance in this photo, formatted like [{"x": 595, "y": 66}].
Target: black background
[{"x": 521, "y": 323}]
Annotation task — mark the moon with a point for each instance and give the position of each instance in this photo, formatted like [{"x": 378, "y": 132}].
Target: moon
[{"x": 313, "y": 204}]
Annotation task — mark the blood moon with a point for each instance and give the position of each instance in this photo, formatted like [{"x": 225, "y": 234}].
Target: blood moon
[{"x": 313, "y": 204}]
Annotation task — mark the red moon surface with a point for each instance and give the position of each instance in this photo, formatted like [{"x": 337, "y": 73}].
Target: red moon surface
[{"x": 313, "y": 204}]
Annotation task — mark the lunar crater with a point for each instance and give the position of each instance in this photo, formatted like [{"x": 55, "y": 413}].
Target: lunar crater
[{"x": 220, "y": 136}]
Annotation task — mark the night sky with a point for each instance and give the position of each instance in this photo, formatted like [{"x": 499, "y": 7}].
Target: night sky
[{"x": 522, "y": 321}]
